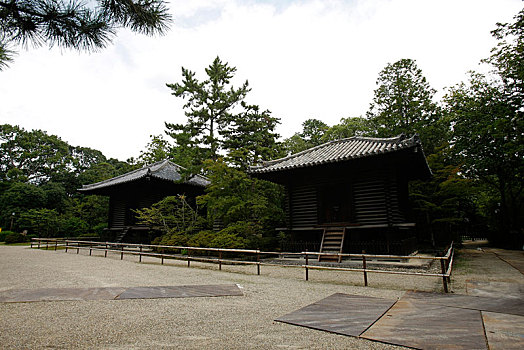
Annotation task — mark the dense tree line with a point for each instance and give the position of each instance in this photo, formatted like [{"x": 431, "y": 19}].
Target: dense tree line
[{"x": 472, "y": 138}]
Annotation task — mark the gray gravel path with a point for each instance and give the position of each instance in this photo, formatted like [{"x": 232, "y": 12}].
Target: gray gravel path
[{"x": 188, "y": 323}]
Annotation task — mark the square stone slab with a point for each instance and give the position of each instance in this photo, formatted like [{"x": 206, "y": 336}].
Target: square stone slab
[
  {"x": 418, "y": 324},
  {"x": 504, "y": 332},
  {"x": 513, "y": 306},
  {"x": 340, "y": 313}
]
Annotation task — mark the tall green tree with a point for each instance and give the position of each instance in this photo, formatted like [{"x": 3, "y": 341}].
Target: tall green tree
[
  {"x": 75, "y": 24},
  {"x": 348, "y": 127},
  {"x": 251, "y": 137},
  {"x": 234, "y": 197},
  {"x": 488, "y": 140},
  {"x": 210, "y": 108},
  {"x": 32, "y": 156},
  {"x": 156, "y": 150},
  {"x": 312, "y": 135},
  {"x": 507, "y": 59},
  {"x": 403, "y": 103},
  {"x": 488, "y": 131}
]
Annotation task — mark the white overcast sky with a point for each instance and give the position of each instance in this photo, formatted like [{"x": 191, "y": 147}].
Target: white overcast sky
[{"x": 303, "y": 59}]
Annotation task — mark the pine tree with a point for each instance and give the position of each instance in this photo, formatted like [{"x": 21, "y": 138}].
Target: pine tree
[{"x": 75, "y": 24}]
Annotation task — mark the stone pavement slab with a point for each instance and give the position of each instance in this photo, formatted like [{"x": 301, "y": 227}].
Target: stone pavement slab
[
  {"x": 340, "y": 313},
  {"x": 423, "y": 325},
  {"x": 511, "y": 306},
  {"x": 513, "y": 257},
  {"x": 55, "y": 294},
  {"x": 495, "y": 289},
  {"x": 504, "y": 332},
  {"x": 112, "y": 293},
  {"x": 180, "y": 292}
]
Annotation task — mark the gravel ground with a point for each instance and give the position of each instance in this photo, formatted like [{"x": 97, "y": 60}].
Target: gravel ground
[{"x": 189, "y": 323}]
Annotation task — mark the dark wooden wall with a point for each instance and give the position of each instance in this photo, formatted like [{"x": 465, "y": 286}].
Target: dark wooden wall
[
  {"x": 363, "y": 192},
  {"x": 140, "y": 194}
]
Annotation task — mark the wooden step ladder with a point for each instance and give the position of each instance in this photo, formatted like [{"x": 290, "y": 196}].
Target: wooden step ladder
[{"x": 332, "y": 242}]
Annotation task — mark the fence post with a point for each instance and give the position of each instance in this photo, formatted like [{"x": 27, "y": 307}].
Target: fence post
[
  {"x": 364, "y": 265},
  {"x": 189, "y": 258},
  {"x": 38, "y": 244},
  {"x": 47, "y": 244},
  {"x": 67, "y": 245},
  {"x": 90, "y": 248},
  {"x": 444, "y": 278},
  {"x": 258, "y": 261},
  {"x": 162, "y": 256},
  {"x": 56, "y": 244},
  {"x": 105, "y": 251},
  {"x": 307, "y": 270},
  {"x": 448, "y": 260},
  {"x": 31, "y": 243},
  {"x": 220, "y": 260},
  {"x": 77, "y": 247},
  {"x": 140, "y": 255},
  {"x": 122, "y": 253}
]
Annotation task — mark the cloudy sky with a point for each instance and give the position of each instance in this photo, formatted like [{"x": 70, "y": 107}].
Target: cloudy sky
[{"x": 303, "y": 59}]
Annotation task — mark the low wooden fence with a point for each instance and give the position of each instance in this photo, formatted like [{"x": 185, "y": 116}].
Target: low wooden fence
[{"x": 193, "y": 254}]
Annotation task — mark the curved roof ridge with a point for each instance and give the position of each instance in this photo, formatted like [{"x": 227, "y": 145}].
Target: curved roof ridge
[
  {"x": 153, "y": 170},
  {"x": 335, "y": 151},
  {"x": 118, "y": 176}
]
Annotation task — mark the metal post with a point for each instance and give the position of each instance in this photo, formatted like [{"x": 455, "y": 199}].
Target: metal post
[
  {"x": 140, "y": 255},
  {"x": 364, "y": 265},
  {"x": 307, "y": 270},
  {"x": 220, "y": 260},
  {"x": 444, "y": 279}
]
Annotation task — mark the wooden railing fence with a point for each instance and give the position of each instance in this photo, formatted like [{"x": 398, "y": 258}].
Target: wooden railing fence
[{"x": 191, "y": 254}]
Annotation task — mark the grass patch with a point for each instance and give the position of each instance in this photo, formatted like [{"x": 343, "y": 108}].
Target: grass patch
[{"x": 15, "y": 244}]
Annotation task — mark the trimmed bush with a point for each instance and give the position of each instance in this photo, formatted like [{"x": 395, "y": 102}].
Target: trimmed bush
[
  {"x": 4, "y": 234},
  {"x": 15, "y": 238}
]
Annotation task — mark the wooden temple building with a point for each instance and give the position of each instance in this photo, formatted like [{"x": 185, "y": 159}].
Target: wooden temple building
[
  {"x": 139, "y": 189},
  {"x": 350, "y": 194}
]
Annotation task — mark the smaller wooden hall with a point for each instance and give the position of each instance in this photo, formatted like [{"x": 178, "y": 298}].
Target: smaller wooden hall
[
  {"x": 139, "y": 189},
  {"x": 350, "y": 195}
]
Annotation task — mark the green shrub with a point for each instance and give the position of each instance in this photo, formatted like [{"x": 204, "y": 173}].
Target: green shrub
[
  {"x": 202, "y": 239},
  {"x": 15, "y": 238},
  {"x": 4, "y": 234}
]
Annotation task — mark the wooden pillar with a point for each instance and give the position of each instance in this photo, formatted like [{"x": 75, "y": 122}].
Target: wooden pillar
[
  {"x": 307, "y": 263},
  {"x": 364, "y": 266}
]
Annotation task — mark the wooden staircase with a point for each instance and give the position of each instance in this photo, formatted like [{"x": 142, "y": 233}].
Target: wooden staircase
[
  {"x": 332, "y": 242},
  {"x": 120, "y": 236}
]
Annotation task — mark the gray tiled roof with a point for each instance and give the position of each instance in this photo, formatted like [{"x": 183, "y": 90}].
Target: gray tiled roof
[
  {"x": 338, "y": 151},
  {"x": 165, "y": 170}
]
